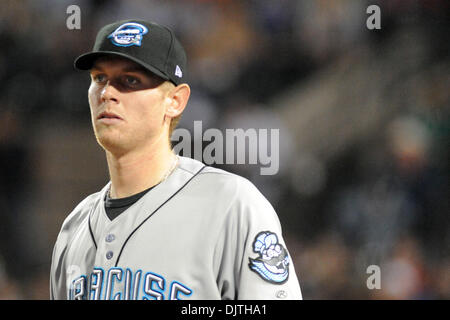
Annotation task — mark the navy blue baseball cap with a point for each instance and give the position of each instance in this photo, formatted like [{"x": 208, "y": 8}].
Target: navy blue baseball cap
[{"x": 149, "y": 44}]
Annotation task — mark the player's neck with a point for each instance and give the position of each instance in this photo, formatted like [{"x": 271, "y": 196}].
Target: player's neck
[{"x": 139, "y": 170}]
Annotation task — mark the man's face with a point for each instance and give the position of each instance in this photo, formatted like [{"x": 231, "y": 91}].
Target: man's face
[{"x": 127, "y": 105}]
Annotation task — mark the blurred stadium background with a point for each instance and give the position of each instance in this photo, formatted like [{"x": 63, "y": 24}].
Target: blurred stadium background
[{"x": 363, "y": 118}]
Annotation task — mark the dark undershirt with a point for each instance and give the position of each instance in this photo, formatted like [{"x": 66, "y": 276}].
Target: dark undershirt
[{"x": 114, "y": 207}]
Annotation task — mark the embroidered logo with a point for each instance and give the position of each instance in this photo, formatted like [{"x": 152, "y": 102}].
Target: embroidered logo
[
  {"x": 178, "y": 72},
  {"x": 272, "y": 263},
  {"x": 128, "y": 34}
]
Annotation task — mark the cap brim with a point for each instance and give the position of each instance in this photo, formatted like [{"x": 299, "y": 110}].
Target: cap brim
[{"x": 86, "y": 61}]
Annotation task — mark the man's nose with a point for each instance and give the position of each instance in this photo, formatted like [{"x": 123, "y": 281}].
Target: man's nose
[{"x": 109, "y": 93}]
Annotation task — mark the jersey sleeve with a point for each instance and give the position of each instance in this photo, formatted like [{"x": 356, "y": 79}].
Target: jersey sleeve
[
  {"x": 69, "y": 226},
  {"x": 255, "y": 263},
  {"x": 53, "y": 290}
]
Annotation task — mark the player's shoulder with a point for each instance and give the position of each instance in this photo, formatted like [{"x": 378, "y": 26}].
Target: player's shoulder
[
  {"x": 222, "y": 183},
  {"x": 238, "y": 200}
]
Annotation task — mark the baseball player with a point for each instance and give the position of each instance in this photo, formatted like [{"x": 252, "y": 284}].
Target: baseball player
[{"x": 165, "y": 227}]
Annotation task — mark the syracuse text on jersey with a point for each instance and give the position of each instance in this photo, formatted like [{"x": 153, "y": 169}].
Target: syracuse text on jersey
[{"x": 120, "y": 284}]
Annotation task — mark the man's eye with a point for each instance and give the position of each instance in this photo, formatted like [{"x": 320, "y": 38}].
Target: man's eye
[
  {"x": 99, "y": 78},
  {"x": 131, "y": 81}
]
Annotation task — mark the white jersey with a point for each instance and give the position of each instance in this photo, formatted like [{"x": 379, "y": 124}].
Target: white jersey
[{"x": 203, "y": 233}]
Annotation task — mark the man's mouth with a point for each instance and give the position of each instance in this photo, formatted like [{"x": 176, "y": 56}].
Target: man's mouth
[{"x": 108, "y": 115}]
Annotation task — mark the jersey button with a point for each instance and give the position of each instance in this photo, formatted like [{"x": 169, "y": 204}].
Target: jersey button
[
  {"x": 110, "y": 238},
  {"x": 109, "y": 255}
]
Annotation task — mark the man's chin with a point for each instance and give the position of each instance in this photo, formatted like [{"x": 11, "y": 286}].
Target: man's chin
[{"x": 113, "y": 144}]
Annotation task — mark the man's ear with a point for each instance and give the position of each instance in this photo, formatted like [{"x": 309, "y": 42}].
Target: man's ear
[{"x": 177, "y": 100}]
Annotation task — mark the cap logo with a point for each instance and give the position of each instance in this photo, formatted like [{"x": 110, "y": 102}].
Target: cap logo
[
  {"x": 178, "y": 72},
  {"x": 128, "y": 34}
]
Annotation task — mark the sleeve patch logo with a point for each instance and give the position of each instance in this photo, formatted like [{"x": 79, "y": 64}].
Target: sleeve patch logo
[
  {"x": 272, "y": 263},
  {"x": 128, "y": 34}
]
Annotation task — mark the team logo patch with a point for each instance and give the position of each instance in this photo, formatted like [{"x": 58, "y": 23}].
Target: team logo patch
[
  {"x": 272, "y": 263},
  {"x": 128, "y": 34}
]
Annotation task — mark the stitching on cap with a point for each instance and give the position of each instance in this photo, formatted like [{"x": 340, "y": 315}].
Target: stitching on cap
[{"x": 168, "y": 54}]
